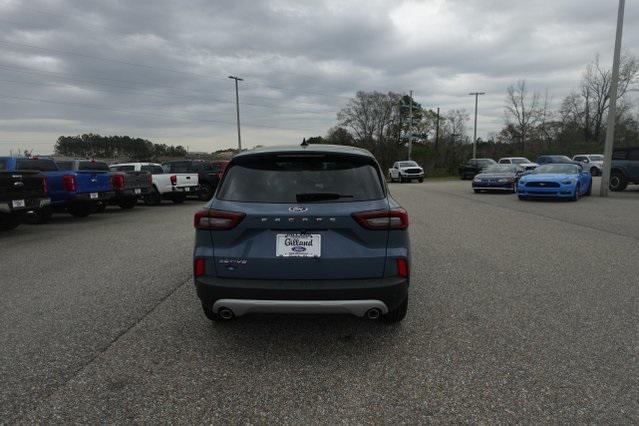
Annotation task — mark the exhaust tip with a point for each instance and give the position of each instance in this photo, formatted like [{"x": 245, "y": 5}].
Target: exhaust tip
[
  {"x": 225, "y": 313},
  {"x": 373, "y": 314}
]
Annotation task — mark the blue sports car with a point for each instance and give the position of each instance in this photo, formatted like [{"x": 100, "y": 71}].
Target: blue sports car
[{"x": 555, "y": 181}]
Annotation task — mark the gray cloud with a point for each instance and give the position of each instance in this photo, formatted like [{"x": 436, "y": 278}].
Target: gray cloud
[{"x": 157, "y": 69}]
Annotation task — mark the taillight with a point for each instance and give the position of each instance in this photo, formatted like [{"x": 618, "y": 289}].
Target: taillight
[
  {"x": 149, "y": 179},
  {"x": 117, "y": 181},
  {"x": 68, "y": 183},
  {"x": 383, "y": 219},
  {"x": 45, "y": 188},
  {"x": 173, "y": 180},
  {"x": 217, "y": 220},
  {"x": 199, "y": 267},
  {"x": 402, "y": 267}
]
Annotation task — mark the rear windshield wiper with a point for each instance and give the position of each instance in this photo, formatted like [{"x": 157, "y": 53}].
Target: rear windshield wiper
[{"x": 320, "y": 196}]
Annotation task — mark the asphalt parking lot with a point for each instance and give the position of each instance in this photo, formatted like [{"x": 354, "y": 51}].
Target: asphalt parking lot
[{"x": 519, "y": 312}]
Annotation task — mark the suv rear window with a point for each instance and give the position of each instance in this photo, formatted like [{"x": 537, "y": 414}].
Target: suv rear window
[
  {"x": 283, "y": 178},
  {"x": 39, "y": 165}
]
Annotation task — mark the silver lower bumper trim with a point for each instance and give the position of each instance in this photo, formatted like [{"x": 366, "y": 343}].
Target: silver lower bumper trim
[{"x": 250, "y": 306}]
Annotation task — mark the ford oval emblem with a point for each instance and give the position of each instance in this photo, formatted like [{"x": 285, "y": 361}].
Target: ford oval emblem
[
  {"x": 298, "y": 249},
  {"x": 297, "y": 209}
]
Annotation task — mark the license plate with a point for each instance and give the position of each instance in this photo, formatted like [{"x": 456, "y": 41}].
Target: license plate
[
  {"x": 18, "y": 204},
  {"x": 187, "y": 189},
  {"x": 298, "y": 245},
  {"x": 94, "y": 195},
  {"x": 137, "y": 191}
]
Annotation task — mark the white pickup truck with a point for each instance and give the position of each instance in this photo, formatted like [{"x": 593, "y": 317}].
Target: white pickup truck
[
  {"x": 405, "y": 171},
  {"x": 166, "y": 186}
]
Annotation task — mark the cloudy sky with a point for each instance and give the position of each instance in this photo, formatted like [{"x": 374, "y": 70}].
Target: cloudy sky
[{"x": 158, "y": 69}]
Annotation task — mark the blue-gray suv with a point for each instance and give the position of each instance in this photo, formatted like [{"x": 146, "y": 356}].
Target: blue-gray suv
[{"x": 302, "y": 229}]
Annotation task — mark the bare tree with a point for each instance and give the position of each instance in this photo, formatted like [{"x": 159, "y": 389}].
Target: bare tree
[
  {"x": 522, "y": 110},
  {"x": 595, "y": 92},
  {"x": 371, "y": 116},
  {"x": 455, "y": 123}
]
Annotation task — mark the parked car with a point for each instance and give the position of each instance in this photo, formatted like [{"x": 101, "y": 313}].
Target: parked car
[
  {"x": 209, "y": 174},
  {"x": 590, "y": 162},
  {"x": 165, "y": 186},
  {"x": 403, "y": 171},
  {"x": 19, "y": 193},
  {"x": 474, "y": 166},
  {"x": 624, "y": 168},
  {"x": 309, "y": 229},
  {"x": 522, "y": 162},
  {"x": 75, "y": 192},
  {"x": 554, "y": 159},
  {"x": 128, "y": 187},
  {"x": 498, "y": 177},
  {"x": 556, "y": 181}
]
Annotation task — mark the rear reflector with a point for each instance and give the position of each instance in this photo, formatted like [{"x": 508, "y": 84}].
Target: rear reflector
[
  {"x": 402, "y": 267},
  {"x": 383, "y": 219},
  {"x": 217, "y": 220},
  {"x": 68, "y": 183},
  {"x": 199, "y": 267}
]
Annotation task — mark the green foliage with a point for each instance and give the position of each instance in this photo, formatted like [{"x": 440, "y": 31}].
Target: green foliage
[{"x": 91, "y": 145}]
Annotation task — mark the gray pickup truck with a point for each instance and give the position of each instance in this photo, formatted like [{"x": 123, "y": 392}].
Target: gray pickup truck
[{"x": 625, "y": 168}]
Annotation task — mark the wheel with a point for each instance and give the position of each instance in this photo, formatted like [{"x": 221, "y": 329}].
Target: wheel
[
  {"x": 617, "y": 182},
  {"x": 153, "y": 198},
  {"x": 208, "y": 312},
  {"x": 523, "y": 198},
  {"x": 128, "y": 203},
  {"x": 397, "y": 314},
  {"x": 476, "y": 191},
  {"x": 38, "y": 217},
  {"x": 576, "y": 194},
  {"x": 178, "y": 199},
  {"x": 400, "y": 179},
  {"x": 589, "y": 191},
  {"x": 420, "y": 180},
  {"x": 206, "y": 192},
  {"x": 594, "y": 171},
  {"x": 9, "y": 221},
  {"x": 79, "y": 210}
]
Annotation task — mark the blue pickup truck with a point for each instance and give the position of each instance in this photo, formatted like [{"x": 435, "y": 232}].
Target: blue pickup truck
[
  {"x": 625, "y": 168},
  {"x": 75, "y": 192}
]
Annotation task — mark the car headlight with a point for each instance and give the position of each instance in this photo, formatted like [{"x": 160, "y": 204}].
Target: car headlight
[
  {"x": 504, "y": 180},
  {"x": 568, "y": 182},
  {"x": 477, "y": 179}
]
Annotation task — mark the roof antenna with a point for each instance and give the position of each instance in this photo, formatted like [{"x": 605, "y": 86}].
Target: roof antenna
[{"x": 304, "y": 143}]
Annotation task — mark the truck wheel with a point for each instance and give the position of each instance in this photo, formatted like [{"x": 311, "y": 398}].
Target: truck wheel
[
  {"x": 400, "y": 179},
  {"x": 421, "y": 180},
  {"x": 153, "y": 198},
  {"x": 79, "y": 210},
  {"x": 576, "y": 194},
  {"x": 210, "y": 314},
  {"x": 594, "y": 171},
  {"x": 38, "y": 217},
  {"x": 397, "y": 314},
  {"x": 128, "y": 203},
  {"x": 9, "y": 221},
  {"x": 206, "y": 192},
  {"x": 178, "y": 199},
  {"x": 617, "y": 182}
]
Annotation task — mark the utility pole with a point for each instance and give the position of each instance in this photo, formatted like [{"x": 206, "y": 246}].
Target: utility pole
[
  {"x": 612, "y": 111},
  {"x": 437, "y": 131},
  {"x": 410, "y": 127},
  {"x": 476, "y": 94},
  {"x": 237, "y": 108}
]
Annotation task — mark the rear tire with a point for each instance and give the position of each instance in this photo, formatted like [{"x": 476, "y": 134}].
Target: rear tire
[
  {"x": 100, "y": 207},
  {"x": 617, "y": 182},
  {"x": 206, "y": 192},
  {"x": 420, "y": 180},
  {"x": 575, "y": 195},
  {"x": 208, "y": 312},
  {"x": 9, "y": 221},
  {"x": 398, "y": 314},
  {"x": 594, "y": 171},
  {"x": 153, "y": 198}
]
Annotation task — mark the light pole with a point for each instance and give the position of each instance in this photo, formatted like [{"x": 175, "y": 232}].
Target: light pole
[
  {"x": 237, "y": 108},
  {"x": 612, "y": 111},
  {"x": 476, "y": 94}
]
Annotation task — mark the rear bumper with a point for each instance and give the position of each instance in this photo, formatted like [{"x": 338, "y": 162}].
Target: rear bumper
[
  {"x": 130, "y": 192},
  {"x": 84, "y": 197},
  {"x": 391, "y": 292},
  {"x": 29, "y": 204},
  {"x": 241, "y": 307}
]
